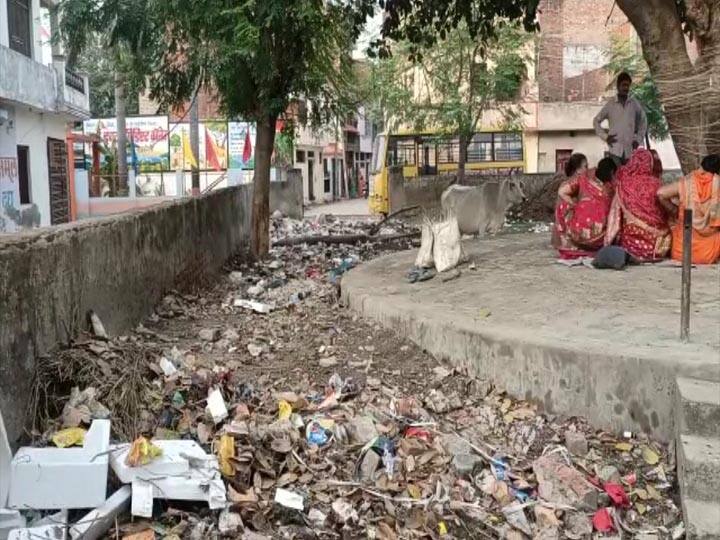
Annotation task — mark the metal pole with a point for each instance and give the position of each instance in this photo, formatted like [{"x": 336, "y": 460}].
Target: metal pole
[
  {"x": 195, "y": 144},
  {"x": 686, "y": 271}
]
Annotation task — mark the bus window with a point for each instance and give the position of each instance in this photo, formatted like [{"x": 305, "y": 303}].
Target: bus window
[
  {"x": 480, "y": 148},
  {"x": 401, "y": 152},
  {"x": 448, "y": 151},
  {"x": 508, "y": 147},
  {"x": 378, "y": 156}
]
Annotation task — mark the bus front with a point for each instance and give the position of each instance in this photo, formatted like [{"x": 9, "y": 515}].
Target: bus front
[{"x": 378, "y": 198}]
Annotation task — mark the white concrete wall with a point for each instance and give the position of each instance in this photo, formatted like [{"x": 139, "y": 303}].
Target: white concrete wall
[
  {"x": 585, "y": 142},
  {"x": 33, "y": 130},
  {"x": 7, "y": 134},
  {"x": 4, "y": 31}
]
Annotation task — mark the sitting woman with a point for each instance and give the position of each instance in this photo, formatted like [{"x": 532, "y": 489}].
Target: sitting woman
[
  {"x": 576, "y": 167},
  {"x": 581, "y": 214},
  {"x": 637, "y": 221},
  {"x": 699, "y": 192}
]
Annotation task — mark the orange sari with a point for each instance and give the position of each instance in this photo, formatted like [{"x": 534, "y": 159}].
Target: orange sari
[{"x": 699, "y": 191}]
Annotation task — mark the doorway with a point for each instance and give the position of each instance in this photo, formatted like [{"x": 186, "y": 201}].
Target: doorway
[
  {"x": 23, "y": 153},
  {"x": 311, "y": 179},
  {"x": 57, "y": 174},
  {"x": 428, "y": 158},
  {"x": 561, "y": 159}
]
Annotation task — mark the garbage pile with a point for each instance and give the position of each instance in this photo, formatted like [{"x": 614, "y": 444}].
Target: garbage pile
[{"x": 263, "y": 409}]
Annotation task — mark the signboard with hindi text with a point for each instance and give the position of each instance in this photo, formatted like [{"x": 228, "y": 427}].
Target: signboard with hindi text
[
  {"x": 147, "y": 136},
  {"x": 9, "y": 193}
]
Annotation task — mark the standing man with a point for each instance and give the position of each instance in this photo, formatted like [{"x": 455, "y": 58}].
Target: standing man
[{"x": 627, "y": 122}]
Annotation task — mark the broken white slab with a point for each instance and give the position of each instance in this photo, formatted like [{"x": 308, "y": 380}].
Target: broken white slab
[
  {"x": 9, "y": 520},
  {"x": 96, "y": 523},
  {"x": 62, "y": 478},
  {"x": 257, "y": 307},
  {"x": 44, "y": 532},
  {"x": 174, "y": 460},
  {"x": 5, "y": 459},
  {"x": 142, "y": 499},
  {"x": 184, "y": 472}
]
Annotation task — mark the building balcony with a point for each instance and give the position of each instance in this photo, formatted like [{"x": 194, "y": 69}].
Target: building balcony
[
  {"x": 52, "y": 89},
  {"x": 75, "y": 90}
]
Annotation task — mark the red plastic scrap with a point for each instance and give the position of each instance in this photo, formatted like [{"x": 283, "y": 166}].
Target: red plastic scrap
[
  {"x": 618, "y": 495},
  {"x": 630, "y": 479},
  {"x": 603, "y": 521},
  {"x": 418, "y": 433}
]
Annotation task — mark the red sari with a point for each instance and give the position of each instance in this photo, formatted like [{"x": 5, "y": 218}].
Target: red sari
[
  {"x": 580, "y": 228},
  {"x": 637, "y": 222}
]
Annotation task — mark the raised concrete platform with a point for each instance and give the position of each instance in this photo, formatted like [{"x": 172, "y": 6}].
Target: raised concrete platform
[{"x": 597, "y": 343}]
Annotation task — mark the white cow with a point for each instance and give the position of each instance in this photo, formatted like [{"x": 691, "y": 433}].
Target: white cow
[{"x": 480, "y": 210}]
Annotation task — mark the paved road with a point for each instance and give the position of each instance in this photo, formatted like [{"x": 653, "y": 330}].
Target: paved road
[{"x": 350, "y": 207}]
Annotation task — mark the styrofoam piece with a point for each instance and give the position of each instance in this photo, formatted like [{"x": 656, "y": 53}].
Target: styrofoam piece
[
  {"x": 172, "y": 461},
  {"x": 59, "y": 518},
  {"x": 5, "y": 459},
  {"x": 9, "y": 520},
  {"x": 62, "y": 478},
  {"x": 44, "y": 532},
  {"x": 142, "y": 499},
  {"x": 183, "y": 472},
  {"x": 198, "y": 485},
  {"x": 216, "y": 406},
  {"x": 95, "y": 524},
  {"x": 289, "y": 499},
  {"x": 168, "y": 367}
]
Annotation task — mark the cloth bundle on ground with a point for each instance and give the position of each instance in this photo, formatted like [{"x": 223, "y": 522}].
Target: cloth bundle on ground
[{"x": 440, "y": 245}]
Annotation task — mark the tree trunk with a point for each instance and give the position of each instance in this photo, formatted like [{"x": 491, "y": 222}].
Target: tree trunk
[
  {"x": 462, "y": 159},
  {"x": 260, "y": 238},
  {"x": 120, "y": 112},
  {"x": 195, "y": 145},
  {"x": 690, "y": 94}
]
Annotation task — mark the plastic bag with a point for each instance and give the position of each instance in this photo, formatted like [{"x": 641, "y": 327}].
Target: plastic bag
[
  {"x": 425, "y": 254},
  {"x": 226, "y": 451},
  {"x": 447, "y": 248},
  {"x": 69, "y": 437},
  {"x": 142, "y": 452}
]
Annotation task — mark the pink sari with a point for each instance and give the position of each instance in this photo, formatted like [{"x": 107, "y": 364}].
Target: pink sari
[
  {"x": 637, "y": 222},
  {"x": 580, "y": 228}
]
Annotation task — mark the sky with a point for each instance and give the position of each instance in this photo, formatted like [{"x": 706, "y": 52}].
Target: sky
[{"x": 371, "y": 32}]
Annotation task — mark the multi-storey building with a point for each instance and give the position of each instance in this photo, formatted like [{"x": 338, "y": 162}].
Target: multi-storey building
[{"x": 39, "y": 96}]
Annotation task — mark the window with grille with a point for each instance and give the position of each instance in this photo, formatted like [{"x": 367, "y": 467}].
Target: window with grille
[
  {"x": 19, "y": 26},
  {"x": 448, "y": 151},
  {"x": 508, "y": 146},
  {"x": 480, "y": 148},
  {"x": 402, "y": 152}
]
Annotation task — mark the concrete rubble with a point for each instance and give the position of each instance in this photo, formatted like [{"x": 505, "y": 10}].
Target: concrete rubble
[{"x": 326, "y": 427}]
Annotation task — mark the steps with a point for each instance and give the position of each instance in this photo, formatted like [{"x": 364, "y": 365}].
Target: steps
[{"x": 698, "y": 451}]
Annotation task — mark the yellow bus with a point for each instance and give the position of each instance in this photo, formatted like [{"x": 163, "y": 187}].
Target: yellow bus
[{"x": 427, "y": 153}]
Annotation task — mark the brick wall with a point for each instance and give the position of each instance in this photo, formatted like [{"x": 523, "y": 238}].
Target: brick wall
[
  {"x": 550, "y": 66},
  {"x": 574, "y": 37},
  {"x": 208, "y": 107}
]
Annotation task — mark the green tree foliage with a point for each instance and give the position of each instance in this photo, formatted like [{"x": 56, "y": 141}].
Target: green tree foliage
[
  {"x": 422, "y": 22},
  {"x": 449, "y": 85},
  {"x": 122, "y": 35},
  {"x": 99, "y": 64},
  {"x": 257, "y": 55},
  {"x": 624, "y": 56}
]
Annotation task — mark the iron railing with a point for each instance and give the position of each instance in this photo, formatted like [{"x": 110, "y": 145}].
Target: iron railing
[{"x": 74, "y": 81}]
